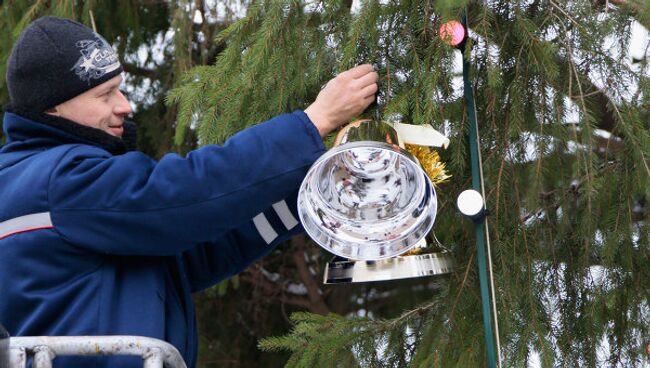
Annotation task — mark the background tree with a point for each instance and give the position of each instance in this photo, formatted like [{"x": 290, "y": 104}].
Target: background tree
[{"x": 564, "y": 124}]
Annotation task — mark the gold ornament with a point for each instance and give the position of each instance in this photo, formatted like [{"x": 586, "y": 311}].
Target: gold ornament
[{"x": 430, "y": 161}]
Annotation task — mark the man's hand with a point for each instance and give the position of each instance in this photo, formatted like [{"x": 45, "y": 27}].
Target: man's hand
[{"x": 343, "y": 97}]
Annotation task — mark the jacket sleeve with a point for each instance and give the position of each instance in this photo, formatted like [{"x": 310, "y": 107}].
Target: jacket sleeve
[
  {"x": 132, "y": 205},
  {"x": 207, "y": 264}
]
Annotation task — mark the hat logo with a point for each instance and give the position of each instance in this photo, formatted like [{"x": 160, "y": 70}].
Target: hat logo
[{"x": 97, "y": 58}]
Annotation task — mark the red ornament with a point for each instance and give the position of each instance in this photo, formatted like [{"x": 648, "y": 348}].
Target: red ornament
[{"x": 453, "y": 33}]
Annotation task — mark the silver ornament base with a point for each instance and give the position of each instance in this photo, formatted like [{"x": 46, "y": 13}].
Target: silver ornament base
[{"x": 395, "y": 268}]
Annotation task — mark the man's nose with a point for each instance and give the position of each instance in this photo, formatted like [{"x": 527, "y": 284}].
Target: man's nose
[{"x": 123, "y": 106}]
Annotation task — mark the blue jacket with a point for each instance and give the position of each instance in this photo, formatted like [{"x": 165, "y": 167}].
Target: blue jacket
[{"x": 93, "y": 243}]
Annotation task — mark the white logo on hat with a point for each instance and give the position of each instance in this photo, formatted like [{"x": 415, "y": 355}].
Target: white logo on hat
[{"x": 97, "y": 59}]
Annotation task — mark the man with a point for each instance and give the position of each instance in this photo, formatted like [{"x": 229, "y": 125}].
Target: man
[{"x": 97, "y": 239}]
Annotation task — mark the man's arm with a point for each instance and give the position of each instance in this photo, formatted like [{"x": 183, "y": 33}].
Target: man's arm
[
  {"x": 207, "y": 264},
  {"x": 130, "y": 204}
]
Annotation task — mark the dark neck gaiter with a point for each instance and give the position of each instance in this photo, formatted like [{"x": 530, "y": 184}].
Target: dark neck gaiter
[{"x": 86, "y": 134}]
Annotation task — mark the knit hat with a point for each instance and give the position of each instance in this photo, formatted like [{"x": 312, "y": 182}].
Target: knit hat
[{"x": 56, "y": 59}]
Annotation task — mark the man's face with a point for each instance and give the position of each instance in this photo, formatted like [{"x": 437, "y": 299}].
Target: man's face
[{"x": 103, "y": 107}]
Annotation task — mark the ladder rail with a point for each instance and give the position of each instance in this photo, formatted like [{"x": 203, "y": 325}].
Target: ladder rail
[{"x": 154, "y": 352}]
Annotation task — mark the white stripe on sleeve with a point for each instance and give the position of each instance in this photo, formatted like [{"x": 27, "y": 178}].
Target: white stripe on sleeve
[
  {"x": 285, "y": 215},
  {"x": 21, "y": 224},
  {"x": 264, "y": 228}
]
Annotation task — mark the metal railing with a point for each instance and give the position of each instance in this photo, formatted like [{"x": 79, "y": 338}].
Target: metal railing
[
  {"x": 155, "y": 353},
  {"x": 4, "y": 347}
]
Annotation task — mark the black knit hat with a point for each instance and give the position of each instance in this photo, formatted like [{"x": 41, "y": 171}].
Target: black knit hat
[{"x": 56, "y": 59}]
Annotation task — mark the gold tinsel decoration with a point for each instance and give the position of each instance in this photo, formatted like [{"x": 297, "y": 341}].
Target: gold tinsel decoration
[{"x": 430, "y": 161}]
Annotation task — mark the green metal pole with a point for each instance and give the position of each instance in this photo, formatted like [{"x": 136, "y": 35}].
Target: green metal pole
[{"x": 479, "y": 227}]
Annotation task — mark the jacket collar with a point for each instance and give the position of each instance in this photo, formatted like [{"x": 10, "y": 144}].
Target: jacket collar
[{"x": 25, "y": 128}]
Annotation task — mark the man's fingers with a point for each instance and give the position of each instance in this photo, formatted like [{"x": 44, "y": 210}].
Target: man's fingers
[
  {"x": 359, "y": 71},
  {"x": 369, "y": 91},
  {"x": 368, "y": 100},
  {"x": 367, "y": 80}
]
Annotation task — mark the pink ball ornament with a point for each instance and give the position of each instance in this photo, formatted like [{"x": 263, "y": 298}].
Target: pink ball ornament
[{"x": 452, "y": 32}]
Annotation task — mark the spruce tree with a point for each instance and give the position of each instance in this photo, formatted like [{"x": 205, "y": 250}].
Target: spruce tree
[{"x": 563, "y": 115}]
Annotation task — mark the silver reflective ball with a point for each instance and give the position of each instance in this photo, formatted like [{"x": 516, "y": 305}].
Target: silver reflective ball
[{"x": 367, "y": 200}]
